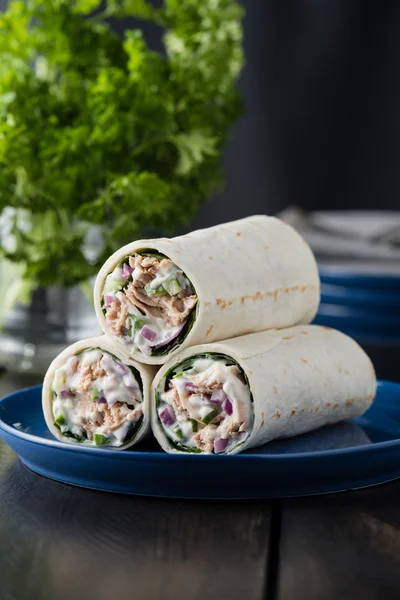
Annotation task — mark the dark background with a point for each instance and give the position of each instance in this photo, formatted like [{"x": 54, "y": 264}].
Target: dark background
[{"x": 321, "y": 127}]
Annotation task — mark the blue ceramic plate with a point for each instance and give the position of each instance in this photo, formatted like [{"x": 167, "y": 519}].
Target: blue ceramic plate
[
  {"x": 372, "y": 299},
  {"x": 350, "y": 455},
  {"x": 362, "y": 320},
  {"x": 364, "y": 276}
]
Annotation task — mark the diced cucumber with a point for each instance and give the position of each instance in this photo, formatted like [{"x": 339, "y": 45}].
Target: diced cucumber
[
  {"x": 172, "y": 286},
  {"x": 113, "y": 284},
  {"x": 59, "y": 421},
  {"x": 150, "y": 291},
  {"x": 59, "y": 380},
  {"x": 100, "y": 439},
  {"x": 210, "y": 416},
  {"x": 178, "y": 432},
  {"x": 136, "y": 324},
  {"x": 94, "y": 394}
]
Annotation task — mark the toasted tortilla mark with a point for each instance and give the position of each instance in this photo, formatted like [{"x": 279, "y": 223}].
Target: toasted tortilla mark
[
  {"x": 304, "y": 332},
  {"x": 340, "y": 369},
  {"x": 317, "y": 409},
  {"x": 209, "y": 329},
  {"x": 277, "y": 415},
  {"x": 284, "y": 371},
  {"x": 275, "y": 389},
  {"x": 221, "y": 303},
  {"x": 207, "y": 303},
  {"x": 349, "y": 403},
  {"x": 210, "y": 257},
  {"x": 293, "y": 413},
  {"x": 290, "y": 337},
  {"x": 256, "y": 296},
  {"x": 266, "y": 246},
  {"x": 262, "y": 421},
  {"x": 347, "y": 372},
  {"x": 238, "y": 234},
  {"x": 335, "y": 405},
  {"x": 274, "y": 294},
  {"x": 303, "y": 360},
  {"x": 328, "y": 404},
  {"x": 230, "y": 302}
]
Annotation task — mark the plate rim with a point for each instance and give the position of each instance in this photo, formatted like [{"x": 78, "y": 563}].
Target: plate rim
[{"x": 145, "y": 456}]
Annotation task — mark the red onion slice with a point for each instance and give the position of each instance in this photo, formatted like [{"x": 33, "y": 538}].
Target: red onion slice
[
  {"x": 72, "y": 365},
  {"x": 66, "y": 393},
  {"x": 120, "y": 368},
  {"x": 218, "y": 397},
  {"x": 189, "y": 386},
  {"x": 126, "y": 271},
  {"x": 112, "y": 366},
  {"x": 148, "y": 333},
  {"x": 167, "y": 416},
  {"x": 228, "y": 407},
  {"x": 174, "y": 334},
  {"x": 108, "y": 300},
  {"x": 101, "y": 400},
  {"x": 220, "y": 445}
]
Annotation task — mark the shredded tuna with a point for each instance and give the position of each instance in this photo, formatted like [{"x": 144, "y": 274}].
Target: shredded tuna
[
  {"x": 214, "y": 396},
  {"x": 205, "y": 438},
  {"x": 89, "y": 374},
  {"x": 173, "y": 310},
  {"x": 178, "y": 402}
]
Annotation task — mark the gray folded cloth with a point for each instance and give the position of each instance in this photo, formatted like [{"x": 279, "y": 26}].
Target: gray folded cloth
[{"x": 365, "y": 241}]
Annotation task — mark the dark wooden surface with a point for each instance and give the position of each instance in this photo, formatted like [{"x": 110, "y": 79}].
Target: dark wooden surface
[
  {"x": 57, "y": 541},
  {"x": 62, "y": 542},
  {"x": 343, "y": 546}
]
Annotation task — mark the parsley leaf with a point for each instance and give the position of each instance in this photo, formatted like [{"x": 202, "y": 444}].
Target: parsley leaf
[{"x": 103, "y": 133}]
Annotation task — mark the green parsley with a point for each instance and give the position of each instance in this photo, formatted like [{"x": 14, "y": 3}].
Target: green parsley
[{"x": 101, "y": 131}]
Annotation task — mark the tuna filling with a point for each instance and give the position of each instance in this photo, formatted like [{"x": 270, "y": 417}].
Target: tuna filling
[
  {"x": 205, "y": 405},
  {"x": 97, "y": 399},
  {"x": 148, "y": 303}
]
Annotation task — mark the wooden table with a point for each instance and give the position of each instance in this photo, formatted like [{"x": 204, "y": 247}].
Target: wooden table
[{"x": 62, "y": 542}]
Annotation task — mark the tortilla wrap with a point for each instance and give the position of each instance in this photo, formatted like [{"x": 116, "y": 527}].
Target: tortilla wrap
[
  {"x": 299, "y": 379},
  {"x": 249, "y": 275},
  {"x": 103, "y": 344}
]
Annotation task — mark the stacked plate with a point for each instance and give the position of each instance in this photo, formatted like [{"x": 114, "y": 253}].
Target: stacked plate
[
  {"x": 358, "y": 253},
  {"x": 361, "y": 300}
]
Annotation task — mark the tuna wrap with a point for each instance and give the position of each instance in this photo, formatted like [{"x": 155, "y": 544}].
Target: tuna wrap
[
  {"x": 232, "y": 395},
  {"x": 153, "y": 297},
  {"x": 93, "y": 396}
]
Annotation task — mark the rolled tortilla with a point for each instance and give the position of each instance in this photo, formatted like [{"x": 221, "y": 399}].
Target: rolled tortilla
[
  {"x": 93, "y": 396},
  {"x": 245, "y": 276},
  {"x": 228, "y": 396}
]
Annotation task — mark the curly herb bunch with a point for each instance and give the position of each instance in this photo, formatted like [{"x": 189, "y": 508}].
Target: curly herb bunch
[{"x": 100, "y": 130}]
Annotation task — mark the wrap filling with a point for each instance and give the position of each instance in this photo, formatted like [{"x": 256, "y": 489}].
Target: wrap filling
[
  {"x": 205, "y": 405},
  {"x": 97, "y": 399},
  {"x": 149, "y": 303}
]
